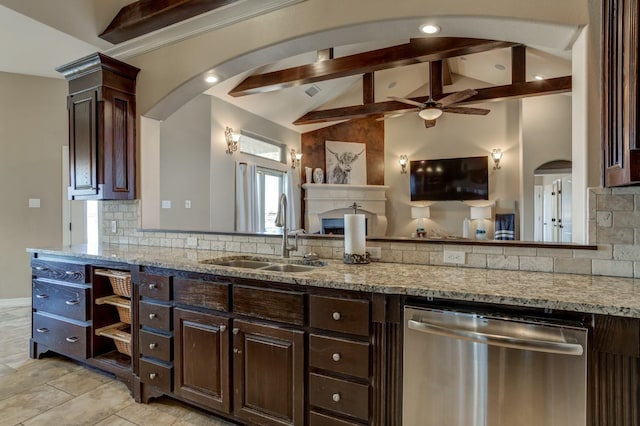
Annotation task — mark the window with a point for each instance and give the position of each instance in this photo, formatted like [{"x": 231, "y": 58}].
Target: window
[
  {"x": 271, "y": 183},
  {"x": 261, "y": 147}
]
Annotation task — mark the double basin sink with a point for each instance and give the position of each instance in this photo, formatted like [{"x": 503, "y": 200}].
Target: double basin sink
[{"x": 264, "y": 265}]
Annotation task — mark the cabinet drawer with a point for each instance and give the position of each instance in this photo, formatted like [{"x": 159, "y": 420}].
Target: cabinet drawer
[
  {"x": 275, "y": 305},
  {"x": 155, "y": 315},
  {"x": 156, "y": 345},
  {"x": 339, "y": 396},
  {"x": 318, "y": 419},
  {"x": 342, "y": 356},
  {"x": 63, "y": 271},
  {"x": 342, "y": 315},
  {"x": 61, "y": 336},
  {"x": 204, "y": 294},
  {"x": 156, "y": 374},
  {"x": 68, "y": 301},
  {"x": 155, "y": 286}
]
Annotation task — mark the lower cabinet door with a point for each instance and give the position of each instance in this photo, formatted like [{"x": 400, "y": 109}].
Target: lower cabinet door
[
  {"x": 268, "y": 374},
  {"x": 202, "y": 359}
]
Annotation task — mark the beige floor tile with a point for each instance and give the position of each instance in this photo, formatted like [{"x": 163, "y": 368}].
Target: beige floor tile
[
  {"x": 23, "y": 406},
  {"x": 142, "y": 415},
  {"x": 29, "y": 377},
  {"x": 202, "y": 419},
  {"x": 86, "y": 409},
  {"x": 114, "y": 421},
  {"x": 80, "y": 381}
]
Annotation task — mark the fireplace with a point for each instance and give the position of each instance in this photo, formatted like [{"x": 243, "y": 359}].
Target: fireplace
[
  {"x": 335, "y": 226},
  {"x": 331, "y": 201}
]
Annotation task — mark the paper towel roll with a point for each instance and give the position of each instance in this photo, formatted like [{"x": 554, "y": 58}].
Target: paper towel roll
[{"x": 354, "y": 234}]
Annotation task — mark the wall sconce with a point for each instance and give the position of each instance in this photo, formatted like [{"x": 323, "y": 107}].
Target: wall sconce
[
  {"x": 404, "y": 160},
  {"x": 232, "y": 140},
  {"x": 420, "y": 213},
  {"x": 295, "y": 158},
  {"x": 496, "y": 155},
  {"x": 481, "y": 213}
]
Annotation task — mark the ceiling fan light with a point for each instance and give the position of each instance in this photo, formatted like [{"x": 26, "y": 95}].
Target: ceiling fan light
[{"x": 430, "y": 113}]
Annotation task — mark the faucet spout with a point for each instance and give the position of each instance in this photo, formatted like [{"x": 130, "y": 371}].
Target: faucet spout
[{"x": 281, "y": 222}]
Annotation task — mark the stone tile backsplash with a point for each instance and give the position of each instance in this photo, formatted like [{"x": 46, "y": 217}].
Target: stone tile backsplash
[{"x": 614, "y": 226}]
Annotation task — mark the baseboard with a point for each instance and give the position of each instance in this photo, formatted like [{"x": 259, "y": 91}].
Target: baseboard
[{"x": 15, "y": 303}]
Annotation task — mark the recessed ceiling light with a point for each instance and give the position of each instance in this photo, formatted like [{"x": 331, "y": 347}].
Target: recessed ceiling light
[
  {"x": 430, "y": 29},
  {"x": 211, "y": 79},
  {"x": 500, "y": 67},
  {"x": 538, "y": 77}
]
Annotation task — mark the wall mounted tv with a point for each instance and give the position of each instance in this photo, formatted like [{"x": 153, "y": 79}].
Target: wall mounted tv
[{"x": 450, "y": 179}]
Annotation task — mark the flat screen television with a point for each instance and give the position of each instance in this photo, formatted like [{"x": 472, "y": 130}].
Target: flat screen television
[{"x": 450, "y": 179}]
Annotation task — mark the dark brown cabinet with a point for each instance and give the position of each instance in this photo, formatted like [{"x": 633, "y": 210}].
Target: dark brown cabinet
[
  {"x": 620, "y": 93},
  {"x": 268, "y": 374},
  {"x": 202, "y": 359},
  {"x": 102, "y": 116}
]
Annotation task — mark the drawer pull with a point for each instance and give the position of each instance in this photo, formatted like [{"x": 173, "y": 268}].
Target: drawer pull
[
  {"x": 72, "y": 302},
  {"x": 336, "y": 316},
  {"x": 69, "y": 272},
  {"x": 152, "y": 286},
  {"x": 42, "y": 330},
  {"x": 335, "y": 397},
  {"x": 152, "y": 376},
  {"x": 40, "y": 268},
  {"x": 336, "y": 357},
  {"x": 41, "y": 296},
  {"x": 72, "y": 339},
  {"x": 152, "y": 346},
  {"x": 223, "y": 328},
  {"x": 236, "y": 330},
  {"x": 237, "y": 351},
  {"x": 152, "y": 316}
]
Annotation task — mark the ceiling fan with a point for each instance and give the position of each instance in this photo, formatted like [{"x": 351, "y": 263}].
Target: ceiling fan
[{"x": 430, "y": 110}]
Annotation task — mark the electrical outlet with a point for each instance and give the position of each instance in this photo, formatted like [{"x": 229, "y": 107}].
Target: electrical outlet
[
  {"x": 456, "y": 257},
  {"x": 374, "y": 252},
  {"x": 114, "y": 226},
  {"x": 192, "y": 242}
]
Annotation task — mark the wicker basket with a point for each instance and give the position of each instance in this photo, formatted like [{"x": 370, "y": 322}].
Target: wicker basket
[
  {"x": 122, "y": 305},
  {"x": 120, "y": 336},
  {"x": 120, "y": 281},
  {"x": 125, "y": 314}
]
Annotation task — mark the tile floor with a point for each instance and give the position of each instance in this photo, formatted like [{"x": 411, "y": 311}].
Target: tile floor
[{"x": 54, "y": 390}]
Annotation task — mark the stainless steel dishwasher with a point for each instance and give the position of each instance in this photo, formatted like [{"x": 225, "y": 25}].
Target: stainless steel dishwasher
[{"x": 474, "y": 369}]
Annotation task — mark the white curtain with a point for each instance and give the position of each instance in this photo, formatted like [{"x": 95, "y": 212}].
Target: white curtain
[
  {"x": 247, "y": 198},
  {"x": 293, "y": 198}
]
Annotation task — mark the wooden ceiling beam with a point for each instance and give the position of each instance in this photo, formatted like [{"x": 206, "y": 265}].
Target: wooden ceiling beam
[
  {"x": 518, "y": 64},
  {"x": 497, "y": 93},
  {"x": 368, "y": 88},
  {"x": 416, "y": 51},
  {"x": 144, "y": 16}
]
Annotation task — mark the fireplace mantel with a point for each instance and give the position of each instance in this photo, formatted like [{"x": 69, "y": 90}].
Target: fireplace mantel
[{"x": 324, "y": 200}]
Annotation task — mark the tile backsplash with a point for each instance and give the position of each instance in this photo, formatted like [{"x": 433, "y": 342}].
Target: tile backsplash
[{"x": 614, "y": 226}]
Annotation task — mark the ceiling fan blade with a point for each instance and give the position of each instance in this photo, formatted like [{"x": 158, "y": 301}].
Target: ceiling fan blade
[
  {"x": 467, "y": 110},
  {"x": 407, "y": 101},
  {"x": 391, "y": 116},
  {"x": 457, "y": 97},
  {"x": 429, "y": 123}
]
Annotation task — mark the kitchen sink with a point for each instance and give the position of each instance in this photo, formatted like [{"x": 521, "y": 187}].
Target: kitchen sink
[
  {"x": 242, "y": 263},
  {"x": 288, "y": 267}
]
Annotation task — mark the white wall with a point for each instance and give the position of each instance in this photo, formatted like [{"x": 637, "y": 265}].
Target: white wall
[
  {"x": 546, "y": 136},
  {"x": 184, "y": 156},
  {"x": 33, "y": 129}
]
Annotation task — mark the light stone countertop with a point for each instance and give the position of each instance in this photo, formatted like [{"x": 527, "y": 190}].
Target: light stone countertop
[{"x": 571, "y": 292}]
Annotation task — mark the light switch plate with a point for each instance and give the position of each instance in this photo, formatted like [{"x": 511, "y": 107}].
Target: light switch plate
[
  {"x": 166, "y": 204},
  {"x": 187, "y": 204},
  {"x": 455, "y": 257},
  {"x": 34, "y": 203}
]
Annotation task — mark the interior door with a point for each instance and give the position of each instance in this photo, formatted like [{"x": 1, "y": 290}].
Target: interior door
[{"x": 566, "y": 213}]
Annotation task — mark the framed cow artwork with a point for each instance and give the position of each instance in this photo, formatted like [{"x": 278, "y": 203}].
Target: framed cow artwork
[{"x": 346, "y": 162}]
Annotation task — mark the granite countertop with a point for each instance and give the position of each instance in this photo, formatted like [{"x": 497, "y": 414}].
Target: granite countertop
[{"x": 571, "y": 292}]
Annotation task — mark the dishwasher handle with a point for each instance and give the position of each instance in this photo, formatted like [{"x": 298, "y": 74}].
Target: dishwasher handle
[{"x": 562, "y": 348}]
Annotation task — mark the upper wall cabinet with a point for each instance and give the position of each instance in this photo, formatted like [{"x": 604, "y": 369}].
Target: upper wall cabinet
[
  {"x": 620, "y": 93},
  {"x": 102, "y": 117}
]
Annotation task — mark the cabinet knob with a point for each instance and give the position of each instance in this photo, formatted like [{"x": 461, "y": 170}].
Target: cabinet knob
[
  {"x": 152, "y": 286},
  {"x": 40, "y": 268},
  {"x": 336, "y": 316},
  {"x": 41, "y": 296},
  {"x": 72, "y": 339},
  {"x": 152, "y": 376},
  {"x": 236, "y": 330},
  {"x": 153, "y": 346},
  {"x": 72, "y": 302},
  {"x": 152, "y": 316},
  {"x": 42, "y": 330},
  {"x": 336, "y": 357},
  {"x": 335, "y": 397},
  {"x": 223, "y": 328},
  {"x": 237, "y": 351}
]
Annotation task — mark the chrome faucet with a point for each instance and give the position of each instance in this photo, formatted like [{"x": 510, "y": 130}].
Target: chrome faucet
[{"x": 281, "y": 222}]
